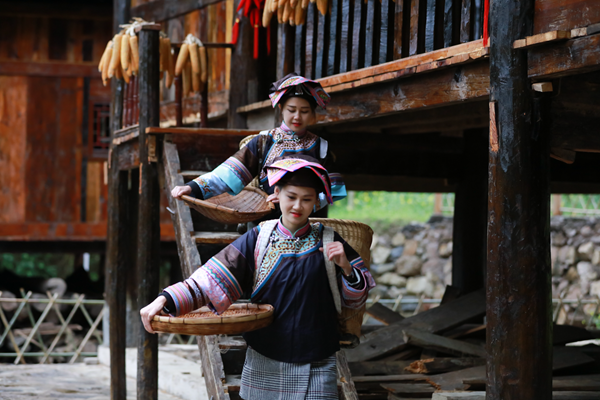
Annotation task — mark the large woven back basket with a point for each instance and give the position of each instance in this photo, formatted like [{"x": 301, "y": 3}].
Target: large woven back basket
[{"x": 359, "y": 237}]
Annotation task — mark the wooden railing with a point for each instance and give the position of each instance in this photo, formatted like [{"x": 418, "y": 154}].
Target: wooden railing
[{"x": 358, "y": 34}]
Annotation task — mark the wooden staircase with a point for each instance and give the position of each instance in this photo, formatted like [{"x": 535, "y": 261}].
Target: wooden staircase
[{"x": 198, "y": 239}]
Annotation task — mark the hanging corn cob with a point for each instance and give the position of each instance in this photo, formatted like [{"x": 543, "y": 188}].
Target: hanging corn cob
[
  {"x": 192, "y": 64},
  {"x": 121, "y": 55}
]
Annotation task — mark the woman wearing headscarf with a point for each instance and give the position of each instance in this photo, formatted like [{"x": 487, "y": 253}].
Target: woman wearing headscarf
[{"x": 298, "y": 99}]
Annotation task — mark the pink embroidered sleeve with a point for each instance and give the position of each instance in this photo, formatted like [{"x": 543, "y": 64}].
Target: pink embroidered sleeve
[{"x": 352, "y": 297}]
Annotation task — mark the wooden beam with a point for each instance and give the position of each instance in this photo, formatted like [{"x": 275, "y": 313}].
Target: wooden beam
[
  {"x": 148, "y": 227},
  {"x": 570, "y": 57},
  {"x": 441, "y": 365},
  {"x": 389, "y": 339},
  {"x": 155, "y": 130},
  {"x": 440, "y": 87},
  {"x": 383, "y": 314},
  {"x": 443, "y": 58},
  {"x": 542, "y": 87},
  {"x": 162, "y": 10},
  {"x": 378, "y": 367},
  {"x": 440, "y": 343},
  {"x": 348, "y": 390},
  {"x": 48, "y": 69},
  {"x": 541, "y": 38},
  {"x": 565, "y": 155},
  {"x": 518, "y": 263}
]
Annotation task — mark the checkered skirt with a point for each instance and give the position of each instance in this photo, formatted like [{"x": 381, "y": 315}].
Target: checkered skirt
[{"x": 267, "y": 379}]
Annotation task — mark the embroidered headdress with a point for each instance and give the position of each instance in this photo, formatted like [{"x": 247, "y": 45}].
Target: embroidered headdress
[
  {"x": 296, "y": 85},
  {"x": 284, "y": 165}
]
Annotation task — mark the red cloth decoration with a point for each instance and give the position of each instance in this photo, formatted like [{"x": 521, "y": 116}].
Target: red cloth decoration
[
  {"x": 486, "y": 18},
  {"x": 235, "y": 31}
]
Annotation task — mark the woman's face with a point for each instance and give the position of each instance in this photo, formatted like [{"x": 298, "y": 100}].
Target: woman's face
[
  {"x": 296, "y": 203},
  {"x": 297, "y": 114}
]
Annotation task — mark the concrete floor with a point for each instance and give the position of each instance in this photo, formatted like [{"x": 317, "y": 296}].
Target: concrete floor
[
  {"x": 61, "y": 381},
  {"x": 180, "y": 378}
]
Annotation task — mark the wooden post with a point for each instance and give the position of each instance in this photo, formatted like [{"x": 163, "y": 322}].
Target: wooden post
[
  {"x": 556, "y": 198},
  {"x": 204, "y": 100},
  {"x": 116, "y": 260},
  {"x": 243, "y": 69},
  {"x": 117, "y": 226},
  {"x": 470, "y": 215},
  {"x": 148, "y": 242},
  {"x": 519, "y": 363}
]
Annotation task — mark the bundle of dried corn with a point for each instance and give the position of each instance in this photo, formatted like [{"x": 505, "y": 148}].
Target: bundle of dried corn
[
  {"x": 192, "y": 65},
  {"x": 121, "y": 56}
]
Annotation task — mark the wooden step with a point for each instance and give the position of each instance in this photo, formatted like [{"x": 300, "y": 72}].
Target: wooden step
[
  {"x": 232, "y": 342},
  {"x": 232, "y": 383},
  {"x": 215, "y": 237}
]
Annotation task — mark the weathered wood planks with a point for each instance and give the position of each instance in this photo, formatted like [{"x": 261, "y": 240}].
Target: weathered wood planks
[
  {"x": 162, "y": 10},
  {"x": 421, "y": 91},
  {"x": 561, "y": 59},
  {"x": 389, "y": 338},
  {"x": 384, "y": 314},
  {"x": 553, "y": 15}
]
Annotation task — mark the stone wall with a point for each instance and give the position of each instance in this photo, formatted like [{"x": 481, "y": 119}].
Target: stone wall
[{"x": 417, "y": 258}]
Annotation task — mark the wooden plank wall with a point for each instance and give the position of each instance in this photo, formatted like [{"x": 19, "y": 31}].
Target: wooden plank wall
[
  {"x": 54, "y": 151},
  {"x": 33, "y": 38},
  {"x": 13, "y": 112},
  {"x": 211, "y": 24},
  {"x": 551, "y": 15},
  {"x": 358, "y": 34}
]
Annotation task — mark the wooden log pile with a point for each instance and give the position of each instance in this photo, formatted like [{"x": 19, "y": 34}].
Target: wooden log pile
[{"x": 444, "y": 349}]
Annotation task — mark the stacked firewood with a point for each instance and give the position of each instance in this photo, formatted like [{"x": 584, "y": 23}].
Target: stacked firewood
[{"x": 443, "y": 349}]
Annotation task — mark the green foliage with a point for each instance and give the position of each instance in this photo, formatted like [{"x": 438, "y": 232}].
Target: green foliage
[
  {"x": 384, "y": 208},
  {"x": 41, "y": 265}
]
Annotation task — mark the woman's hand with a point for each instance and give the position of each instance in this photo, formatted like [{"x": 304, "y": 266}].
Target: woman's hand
[
  {"x": 335, "y": 252},
  {"x": 273, "y": 198},
  {"x": 151, "y": 310},
  {"x": 179, "y": 191}
]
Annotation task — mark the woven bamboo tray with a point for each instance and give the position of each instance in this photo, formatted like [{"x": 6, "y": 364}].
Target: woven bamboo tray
[
  {"x": 238, "y": 318},
  {"x": 249, "y": 205}
]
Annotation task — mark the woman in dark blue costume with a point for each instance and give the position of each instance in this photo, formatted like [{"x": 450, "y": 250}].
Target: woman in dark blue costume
[{"x": 283, "y": 263}]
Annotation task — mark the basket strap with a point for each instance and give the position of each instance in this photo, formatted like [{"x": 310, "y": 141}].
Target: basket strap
[
  {"x": 330, "y": 266},
  {"x": 262, "y": 242},
  {"x": 323, "y": 149}
]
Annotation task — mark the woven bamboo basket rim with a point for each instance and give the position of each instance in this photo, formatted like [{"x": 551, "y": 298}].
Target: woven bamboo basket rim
[
  {"x": 352, "y": 231},
  {"x": 255, "y": 312},
  {"x": 228, "y": 210}
]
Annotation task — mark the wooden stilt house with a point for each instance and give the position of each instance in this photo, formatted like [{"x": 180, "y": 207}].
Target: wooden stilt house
[
  {"x": 496, "y": 101},
  {"x": 55, "y": 127}
]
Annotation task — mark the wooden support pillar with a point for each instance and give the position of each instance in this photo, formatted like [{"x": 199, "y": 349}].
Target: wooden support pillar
[
  {"x": 470, "y": 215},
  {"x": 519, "y": 343},
  {"x": 148, "y": 243},
  {"x": 242, "y": 75},
  {"x": 117, "y": 251}
]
